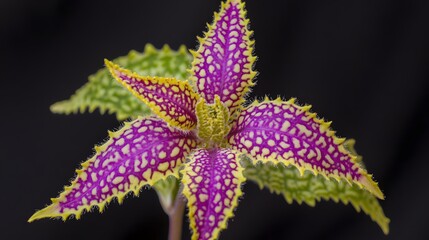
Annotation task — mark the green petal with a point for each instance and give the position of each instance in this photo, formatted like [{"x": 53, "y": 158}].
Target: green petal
[
  {"x": 309, "y": 188},
  {"x": 106, "y": 94}
]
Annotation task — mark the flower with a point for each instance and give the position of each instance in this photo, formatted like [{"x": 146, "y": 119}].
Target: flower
[{"x": 200, "y": 132}]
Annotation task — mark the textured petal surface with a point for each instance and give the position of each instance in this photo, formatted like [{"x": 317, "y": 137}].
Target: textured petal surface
[
  {"x": 276, "y": 131},
  {"x": 171, "y": 99},
  {"x": 212, "y": 181},
  {"x": 106, "y": 94},
  {"x": 309, "y": 188},
  {"x": 142, "y": 152},
  {"x": 223, "y": 63}
]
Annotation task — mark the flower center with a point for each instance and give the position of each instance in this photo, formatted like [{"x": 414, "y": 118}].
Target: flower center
[{"x": 213, "y": 123}]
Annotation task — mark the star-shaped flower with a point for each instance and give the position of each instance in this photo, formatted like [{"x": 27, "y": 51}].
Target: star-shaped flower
[{"x": 202, "y": 131}]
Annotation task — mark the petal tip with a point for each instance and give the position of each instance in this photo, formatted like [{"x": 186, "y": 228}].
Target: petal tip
[
  {"x": 49, "y": 211},
  {"x": 371, "y": 186},
  {"x": 108, "y": 63}
]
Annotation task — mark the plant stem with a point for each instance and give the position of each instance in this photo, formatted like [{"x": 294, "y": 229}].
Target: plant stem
[{"x": 176, "y": 218}]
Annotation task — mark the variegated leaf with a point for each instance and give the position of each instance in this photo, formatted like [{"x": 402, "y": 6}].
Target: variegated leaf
[
  {"x": 223, "y": 63},
  {"x": 172, "y": 100},
  {"x": 283, "y": 132},
  {"x": 309, "y": 188},
  {"x": 106, "y": 94},
  {"x": 141, "y": 153},
  {"x": 212, "y": 184}
]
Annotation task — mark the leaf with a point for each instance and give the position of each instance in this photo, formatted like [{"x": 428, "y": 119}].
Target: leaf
[
  {"x": 106, "y": 94},
  {"x": 223, "y": 63},
  {"x": 283, "y": 132},
  {"x": 309, "y": 188},
  {"x": 212, "y": 184},
  {"x": 141, "y": 153},
  {"x": 172, "y": 100}
]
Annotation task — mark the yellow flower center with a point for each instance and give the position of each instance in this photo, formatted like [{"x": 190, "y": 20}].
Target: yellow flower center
[{"x": 213, "y": 123}]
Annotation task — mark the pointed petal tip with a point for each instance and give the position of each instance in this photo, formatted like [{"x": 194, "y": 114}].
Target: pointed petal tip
[
  {"x": 371, "y": 186},
  {"x": 111, "y": 67},
  {"x": 108, "y": 63},
  {"x": 49, "y": 211}
]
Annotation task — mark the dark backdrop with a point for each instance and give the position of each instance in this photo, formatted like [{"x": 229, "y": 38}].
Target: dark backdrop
[{"x": 362, "y": 64}]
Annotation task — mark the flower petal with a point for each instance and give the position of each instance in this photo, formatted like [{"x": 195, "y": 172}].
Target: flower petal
[
  {"x": 276, "y": 131},
  {"x": 223, "y": 64},
  {"x": 106, "y": 94},
  {"x": 171, "y": 99},
  {"x": 212, "y": 180},
  {"x": 142, "y": 152}
]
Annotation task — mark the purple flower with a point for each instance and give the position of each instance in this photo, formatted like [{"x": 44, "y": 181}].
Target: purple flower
[{"x": 201, "y": 130}]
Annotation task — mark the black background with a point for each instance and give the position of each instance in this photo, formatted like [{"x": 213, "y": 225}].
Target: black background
[{"x": 362, "y": 64}]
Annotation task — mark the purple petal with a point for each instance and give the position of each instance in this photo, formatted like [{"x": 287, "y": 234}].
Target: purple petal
[
  {"x": 212, "y": 180},
  {"x": 223, "y": 64},
  {"x": 142, "y": 152},
  {"x": 172, "y": 100},
  {"x": 276, "y": 131}
]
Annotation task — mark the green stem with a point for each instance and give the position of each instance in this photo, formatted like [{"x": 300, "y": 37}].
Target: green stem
[{"x": 175, "y": 216}]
